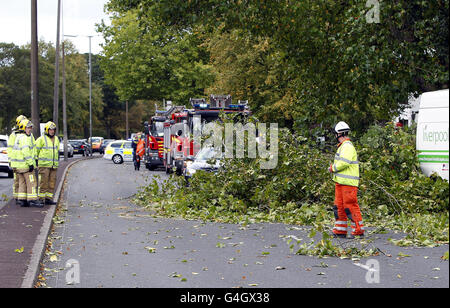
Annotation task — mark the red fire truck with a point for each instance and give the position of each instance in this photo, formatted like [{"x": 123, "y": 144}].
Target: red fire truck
[
  {"x": 154, "y": 132},
  {"x": 179, "y": 130}
]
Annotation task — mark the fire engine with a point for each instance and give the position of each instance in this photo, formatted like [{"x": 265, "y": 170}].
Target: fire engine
[
  {"x": 179, "y": 128},
  {"x": 154, "y": 132}
]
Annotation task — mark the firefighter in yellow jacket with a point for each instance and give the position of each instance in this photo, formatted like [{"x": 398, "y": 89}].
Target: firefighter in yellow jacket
[
  {"x": 23, "y": 160},
  {"x": 47, "y": 154},
  {"x": 345, "y": 170},
  {"x": 11, "y": 141}
]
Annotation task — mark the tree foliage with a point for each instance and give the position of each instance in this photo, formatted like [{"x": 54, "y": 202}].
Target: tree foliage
[
  {"x": 393, "y": 193},
  {"x": 144, "y": 61},
  {"x": 15, "y": 87},
  {"x": 334, "y": 64}
]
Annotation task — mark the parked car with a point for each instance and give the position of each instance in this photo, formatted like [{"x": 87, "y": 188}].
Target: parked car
[
  {"x": 119, "y": 151},
  {"x": 61, "y": 148},
  {"x": 80, "y": 146},
  {"x": 4, "y": 165},
  {"x": 87, "y": 146},
  {"x": 105, "y": 144},
  {"x": 96, "y": 143},
  {"x": 202, "y": 161}
]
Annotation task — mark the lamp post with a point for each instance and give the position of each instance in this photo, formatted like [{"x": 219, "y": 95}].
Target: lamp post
[
  {"x": 56, "y": 85},
  {"x": 126, "y": 121},
  {"x": 90, "y": 85},
  {"x": 34, "y": 71},
  {"x": 90, "y": 94},
  {"x": 64, "y": 99}
]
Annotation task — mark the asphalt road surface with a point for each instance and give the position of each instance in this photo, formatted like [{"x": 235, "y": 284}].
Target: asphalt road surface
[
  {"x": 110, "y": 242},
  {"x": 5, "y": 189}
]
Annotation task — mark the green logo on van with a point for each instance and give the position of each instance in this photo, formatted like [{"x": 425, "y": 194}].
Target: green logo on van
[{"x": 435, "y": 136}]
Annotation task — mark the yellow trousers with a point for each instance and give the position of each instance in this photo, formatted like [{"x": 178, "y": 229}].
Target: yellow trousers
[
  {"x": 15, "y": 185},
  {"x": 27, "y": 186},
  {"x": 47, "y": 181}
]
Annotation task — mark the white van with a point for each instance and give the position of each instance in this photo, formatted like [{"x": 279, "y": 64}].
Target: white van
[{"x": 433, "y": 133}]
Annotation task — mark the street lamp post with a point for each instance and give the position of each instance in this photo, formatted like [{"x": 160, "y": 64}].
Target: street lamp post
[
  {"x": 64, "y": 101},
  {"x": 90, "y": 94},
  {"x": 126, "y": 121},
  {"x": 64, "y": 91},
  {"x": 90, "y": 85},
  {"x": 56, "y": 85},
  {"x": 34, "y": 71}
]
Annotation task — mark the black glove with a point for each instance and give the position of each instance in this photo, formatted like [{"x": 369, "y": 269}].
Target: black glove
[{"x": 31, "y": 168}]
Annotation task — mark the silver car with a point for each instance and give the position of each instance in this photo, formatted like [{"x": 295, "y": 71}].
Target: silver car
[
  {"x": 202, "y": 162},
  {"x": 61, "y": 148}
]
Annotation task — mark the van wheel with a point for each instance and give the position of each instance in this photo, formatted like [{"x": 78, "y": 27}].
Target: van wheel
[
  {"x": 117, "y": 159},
  {"x": 10, "y": 174}
]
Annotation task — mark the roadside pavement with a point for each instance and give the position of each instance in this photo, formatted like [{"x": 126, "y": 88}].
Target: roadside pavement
[{"x": 19, "y": 229}]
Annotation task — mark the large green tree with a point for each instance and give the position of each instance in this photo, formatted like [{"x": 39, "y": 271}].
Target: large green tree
[
  {"x": 142, "y": 60},
  {"x": 14, "y": 83},
  {"x": 15, "y": 87},
  {"x": 338, "y": 61}
]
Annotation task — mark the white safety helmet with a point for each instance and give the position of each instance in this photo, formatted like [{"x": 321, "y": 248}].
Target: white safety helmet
[{"x": 341, "y": 128}]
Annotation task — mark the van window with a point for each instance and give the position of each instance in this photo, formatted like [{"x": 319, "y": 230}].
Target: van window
[
  {"x": 3, "y": 143},
  {"x": 127, "y": 145}
]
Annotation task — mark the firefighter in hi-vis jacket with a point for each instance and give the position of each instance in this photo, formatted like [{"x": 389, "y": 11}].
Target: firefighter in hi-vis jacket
[
  {"x": 47, "y": 154},
  {"x": 23, "y": 159}
]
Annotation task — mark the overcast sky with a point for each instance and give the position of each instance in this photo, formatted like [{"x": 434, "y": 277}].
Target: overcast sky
[{"x": 80, "y": 17}]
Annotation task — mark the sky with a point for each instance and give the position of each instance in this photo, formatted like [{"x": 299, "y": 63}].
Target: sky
[{"x": 79, "y": 18}]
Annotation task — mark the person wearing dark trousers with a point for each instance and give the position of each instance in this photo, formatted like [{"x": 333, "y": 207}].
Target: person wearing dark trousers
[{"x": 136, "y": 161}]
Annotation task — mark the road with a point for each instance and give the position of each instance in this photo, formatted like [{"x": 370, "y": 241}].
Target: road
[
  {"x": 117, "y": 244},
  {"x": 5, "y": 189}
]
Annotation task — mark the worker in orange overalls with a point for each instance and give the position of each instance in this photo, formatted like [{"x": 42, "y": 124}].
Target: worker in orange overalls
[
  {"x": 138, "y": 150},
  {"x": 345, "y": 170}
]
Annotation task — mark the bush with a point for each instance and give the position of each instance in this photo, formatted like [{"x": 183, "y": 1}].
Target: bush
[
  {"x": 391, "y": 174},
  {"x": 300, "y": 189}
]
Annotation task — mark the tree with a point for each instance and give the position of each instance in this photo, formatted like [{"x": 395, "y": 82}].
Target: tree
[
  {"x": 77, "y": 88},
  {"x": 14, "y": 84},
  {"x": 15, "y": 87},
  {"x": 337, "y": 65},
  {"x": 145, "y": 61}
]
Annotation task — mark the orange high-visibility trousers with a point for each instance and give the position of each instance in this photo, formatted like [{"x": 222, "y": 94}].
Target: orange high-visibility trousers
[{"x": 346, "y": 207}]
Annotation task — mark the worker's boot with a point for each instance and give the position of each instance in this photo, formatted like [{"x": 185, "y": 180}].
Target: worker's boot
[
  {"x": 339, "y": 235},
  {"x": 22, "y": 203},
  {"x": 50, "y": 202},
  {"x": 352, "y": 236},
  {"x": 36, "y": 203}
]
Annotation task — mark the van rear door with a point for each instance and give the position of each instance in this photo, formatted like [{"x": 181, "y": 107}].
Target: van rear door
[{"x": 432, "y": 138}]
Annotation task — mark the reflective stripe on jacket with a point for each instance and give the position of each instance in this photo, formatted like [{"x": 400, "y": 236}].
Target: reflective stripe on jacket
[
  {"x": 23, "y": 152},
  {"x": 346, "y": 165},
  {"x": 47, "y": 151},
  {"x": 11, "y": 141}
]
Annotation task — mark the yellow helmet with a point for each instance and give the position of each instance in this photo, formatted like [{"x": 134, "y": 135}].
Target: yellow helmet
[
  {"x": 24, "y": 124},
  {"x": 49, "y": 125},
  {"x": 19, "y": 119}
]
